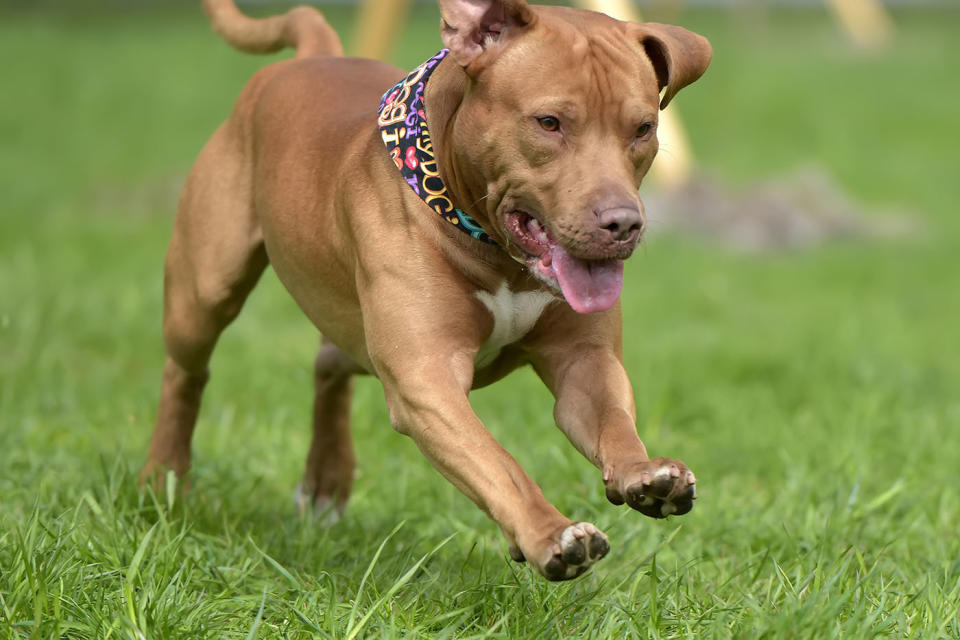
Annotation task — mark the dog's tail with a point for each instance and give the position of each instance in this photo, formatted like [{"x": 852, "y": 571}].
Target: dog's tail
[{"x": 302, "y": 28}]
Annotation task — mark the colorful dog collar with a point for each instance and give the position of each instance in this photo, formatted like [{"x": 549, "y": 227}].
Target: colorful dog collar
[{"x": 403, "y": 128}]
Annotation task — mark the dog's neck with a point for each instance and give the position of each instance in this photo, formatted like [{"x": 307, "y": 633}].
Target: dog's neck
[
  {"x": 403, "y": 128},
  {"x": 443, "y": 97}
]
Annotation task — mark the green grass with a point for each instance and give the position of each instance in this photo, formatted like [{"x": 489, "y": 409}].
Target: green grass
[{"x": 816, "y": 394}]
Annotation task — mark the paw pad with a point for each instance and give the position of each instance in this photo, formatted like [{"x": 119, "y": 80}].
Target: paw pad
[
  {"x": 581, "y": 545},
  {"x": 660, "y": 488}
]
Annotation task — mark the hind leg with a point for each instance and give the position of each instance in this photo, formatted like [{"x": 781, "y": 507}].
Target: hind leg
[
  {"x": 215, "y": 257},
  {"x": 330, "y": 463}
]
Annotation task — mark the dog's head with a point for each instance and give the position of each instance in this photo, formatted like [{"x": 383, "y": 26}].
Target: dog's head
[{"x": 556, "y": 130}]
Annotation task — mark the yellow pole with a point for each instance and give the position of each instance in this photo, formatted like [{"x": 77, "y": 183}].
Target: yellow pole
[
  {"x": 674, "y": 163},
  {"x": 866, "y": 21},
  {"x": 378, "y": 23}
]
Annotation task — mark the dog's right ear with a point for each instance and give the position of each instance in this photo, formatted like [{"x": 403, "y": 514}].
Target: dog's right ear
[{"x": 471, "y": 27}]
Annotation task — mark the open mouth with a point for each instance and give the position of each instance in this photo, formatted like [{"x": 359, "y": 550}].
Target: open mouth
[{"x": 588, "y": 286}]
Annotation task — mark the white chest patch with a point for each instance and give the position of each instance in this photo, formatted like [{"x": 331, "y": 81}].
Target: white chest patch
[{"x": 514, "y": 314}]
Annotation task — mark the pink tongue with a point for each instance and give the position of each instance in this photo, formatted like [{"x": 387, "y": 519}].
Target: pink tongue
[{"x": 588, "y": 286}]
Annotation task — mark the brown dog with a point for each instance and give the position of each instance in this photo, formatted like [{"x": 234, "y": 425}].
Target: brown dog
[{"x": 542, "y": 126}]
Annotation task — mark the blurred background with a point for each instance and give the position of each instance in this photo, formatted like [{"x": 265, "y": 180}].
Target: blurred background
[{"x": 791, "y": 322}]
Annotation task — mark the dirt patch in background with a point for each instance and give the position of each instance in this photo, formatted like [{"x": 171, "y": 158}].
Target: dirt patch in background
[{"x": 804, "y": 209}]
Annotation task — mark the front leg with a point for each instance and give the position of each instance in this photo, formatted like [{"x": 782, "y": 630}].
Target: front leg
[
  {"x": 422, "y": 329},
  {"x": 427, "y": 399},
  {"x": 595, "y": 408}
]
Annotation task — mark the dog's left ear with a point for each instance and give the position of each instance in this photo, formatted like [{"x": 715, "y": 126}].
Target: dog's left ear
[
  {"x": 470, "y": 27},
  {"x": 679, "y": 56}
]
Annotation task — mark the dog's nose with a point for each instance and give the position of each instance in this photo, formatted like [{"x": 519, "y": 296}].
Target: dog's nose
[{"x": 622, "y": 223}]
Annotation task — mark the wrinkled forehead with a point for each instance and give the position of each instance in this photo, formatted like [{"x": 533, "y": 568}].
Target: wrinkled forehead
[{"x": 584, "y": 57}]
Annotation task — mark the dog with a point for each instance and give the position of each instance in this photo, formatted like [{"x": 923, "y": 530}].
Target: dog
[{"x": 438, "y": 258}]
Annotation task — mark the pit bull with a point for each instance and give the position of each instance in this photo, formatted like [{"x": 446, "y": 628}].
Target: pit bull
[{"x": 440, "y": 228}]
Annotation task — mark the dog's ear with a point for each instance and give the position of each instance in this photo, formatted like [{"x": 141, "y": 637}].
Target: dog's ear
[
  {"x": 679, "y": 56},
  {"x": 469, "y": 27}
]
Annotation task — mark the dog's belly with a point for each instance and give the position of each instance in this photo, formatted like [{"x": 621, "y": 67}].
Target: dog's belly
[{"x": 514, "y": 315}]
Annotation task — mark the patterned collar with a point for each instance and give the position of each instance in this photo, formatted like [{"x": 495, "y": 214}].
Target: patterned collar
[{"x": 403, "y": 128}]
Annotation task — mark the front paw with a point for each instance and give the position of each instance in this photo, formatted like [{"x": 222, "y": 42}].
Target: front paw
[
  {"x": 656, "y": 488},
  {"x": 568, "y": 552}
]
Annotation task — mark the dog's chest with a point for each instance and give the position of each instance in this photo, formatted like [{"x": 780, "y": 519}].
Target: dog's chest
[{"x": 514, "y": 314}]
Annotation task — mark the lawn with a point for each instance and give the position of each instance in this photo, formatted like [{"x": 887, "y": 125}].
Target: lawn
[{"x": 816, "y": 393}]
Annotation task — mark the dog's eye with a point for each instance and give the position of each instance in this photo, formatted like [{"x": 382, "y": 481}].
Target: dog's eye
[
  {"x": 549, "y": 123},
  {"x": 644, "y": 130}
]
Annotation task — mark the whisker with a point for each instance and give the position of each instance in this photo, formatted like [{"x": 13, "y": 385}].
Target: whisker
[{"x": 475, "y": 203}]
